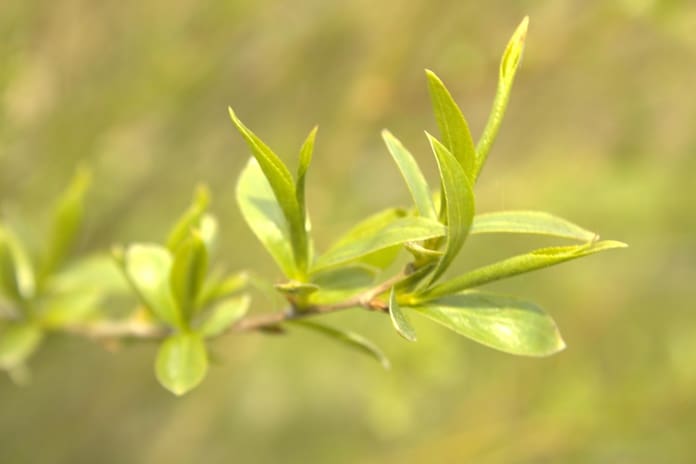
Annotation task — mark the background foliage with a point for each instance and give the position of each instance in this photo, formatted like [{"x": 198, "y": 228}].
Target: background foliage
[{"x": 598, "y": 130}]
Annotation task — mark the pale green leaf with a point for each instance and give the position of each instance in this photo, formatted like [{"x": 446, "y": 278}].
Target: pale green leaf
[
  {"x": 191, "y": 219},
  {"x": 399, "y": 319},
  {"x": 17, "y": 278},
  {"x": 305, "y": 159},
  {"x": 216, "y": 287},
  {"x": 96, "y": 272},
  {"x": 529, "y": 222},
  {"x": 342, "y": 283},
  {"x": 453, "y": 126},
  {"x": 412, "y": 174},
  {"x": 223, "y": 315},
  {"x": 18, "y": 341},
  {"x": 188, "y": 274},
  {"x": 182, "y": 363},
  {"x": 506, "y": 324},
  {"x": 63, "y": 309}
]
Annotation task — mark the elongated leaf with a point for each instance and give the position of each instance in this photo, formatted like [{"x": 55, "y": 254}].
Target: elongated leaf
[
  {"x": 508, "y": 68},
  {"x": 459, "y": 204},
  {"x": 191, "y": 219},
  {"x": 148, "y": 267},
  {"x": 216, "y": 287},
  {"x": 264, "y": 216},
  {"x": 399, "y": 319},
  {"x": 223, "y": 315},
  {"x": 188, "y": 274},
  {"x": 506, "y": 324},
  {"x": 412, "y": 174},
  {"x": 339, "y": 284},
  {"x": 96, "y": 272},
  {"x": 400, "y": 231},
  {"x": 62, "y": 309},
  {"x": 305, "y": 160},
  {"x": 182, "y": 363},
  {"x": 69, "y": 212},
  {"x": 17, "y": 278},
  {"x": 283, "y": 186},
  {"x": 453, "y": 126},
  {"x": 350, "y": 339},
  {"x": 8, "y": 280},
  {"x": 529, "y": 222},
  {"x": 208, "y": 230},
  {"x": 519, "y": 264},
  {"x": 17, "y": 342}
]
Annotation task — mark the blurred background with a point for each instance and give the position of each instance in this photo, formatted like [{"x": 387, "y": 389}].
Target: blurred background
[{"x": 600, "y": 129}]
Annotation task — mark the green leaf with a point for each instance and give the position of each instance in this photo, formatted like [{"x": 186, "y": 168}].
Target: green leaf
[
  {"x": 64, "y": 309},
  {"x": 508, "y": 68},
  {"x": 506, "y": 324},
  {"x": 350, "y": 339},
  {"x": 459, "y": 204},
  {"x": 148, "y": 267},
  {"x": 191, "y": 219},
  {"x": 96, "y": 272},
  {"x": 182, "y": 363},
  {"x": 399, "y": 319},
  {"x": 68, "y": 215},
  {"x": 529, "y": 222},
  {"x": 305, "y": 160},
  {"x": 17, "y": 279},
  {"x": 453, "y": 126},
  {"x": 264, "y": 216},
  {"x": 188, "y": 274},
  {"x": 340, "y": 284},
  {"x": 515, "y": 265},
  {"x": 18, "y": 341},
  {"x": 412, "y": 175},
  {"x": 223, "y": 315},
  {"x": 208, "y": 229},
  {"x": 216, "y": 288},
  {"x": 399, "y": 231},
  {"x": 283, "y": 186}
]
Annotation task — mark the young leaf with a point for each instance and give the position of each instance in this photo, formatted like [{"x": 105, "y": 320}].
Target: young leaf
[
  {"x": 508, "y": 68},
  {"x": 459, "y": 204},
  {"x": 69, "y": 211},
  {"x": 350, "y": 339},
  {"x": 8, "y": 280},
  {"x": 223, "y": 315},
  {"x": 515, "y": 265},
  {"x": 62, "y": 309},
  {"x": 16, "y": 272},
  {"x": 305, "y": 160},
  {"x": 216, "y": 288},
  {"x": 339, "y": 284},
  {"x": 208, "y": 229},
  {"x": 182, "y": 363},
  {"x": 17, "y": 342},
  {"x": 412, "y": 175},
  {"x": 148, "y": 267},
  {"x": 188, "y": 274},
  {"x": 264, "y": 216},
  {"x": 506, "y": 324},
  {"x": 400, "y": 231},
  {"x": 529, "y": 222},
  {"x": 453, "y": 127},
  {"x": 191, "y": 219},
  {"x": 399, "y": 319},
  {"x": 283, "y": 186}
]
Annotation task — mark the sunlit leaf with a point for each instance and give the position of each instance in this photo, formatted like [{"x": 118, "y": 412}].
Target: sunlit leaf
[
  {"x": 223, "y": 315},
  {"x": 529, "y": 222},
  {"x": 182, "y": 363},
  {"x": 191, "y": 219},
  {"x": 17, "y": 343},
  {"x": 96, "y": 272},
  {"x": 17, "y": 279},
  {"x": 216, "y": 287},
  {"x": 399, "y": 319},
  {"x": 188, "y": 274},
  {"x": 305, "y": 160},
  {"x": 503, "y": 323},
  {"x": 64, "y": 309}
]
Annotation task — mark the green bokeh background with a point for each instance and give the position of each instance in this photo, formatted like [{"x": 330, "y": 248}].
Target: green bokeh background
[{"x": 600, "y": 129}]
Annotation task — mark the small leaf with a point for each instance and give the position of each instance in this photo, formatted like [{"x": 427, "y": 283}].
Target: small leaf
[
  {"x": 453, "y": 126},
  {"x": 350, "y": 339},
  {"x": 64, "y": 309},
  {"x": 400, "y": 231},
  {"x": 412, "y": 175},
  {"x": 17, "y": 279},
  {"x": 188, "y": 274},
  {"x": 529, "y": 222},
  {"x": 223, "y": 315},
  {"x": 182, "y": 363},
  {"x": 69, "y": 211},
  {"x": 459, "y": 204},
  {"x": 18, "y": 341},
  {"x": 399, "y": 319},
  {"x": 96, "y": 272},
  {"x": 305, "y": 160},
  {"x": 508, "y": 68},
  {"x": 340, "y": 284},
  {"x": 264, "y": 216},
  {"x": 295, "y": 288},
  {"x": 148, "y": 267},
  {"x": 208, "y": 229},
  {"x": 191, "y": 219},
  {"x": 515, "y": 265},
  {"x": 216, "y": 288},
  {"x": 506, "y": 324}
]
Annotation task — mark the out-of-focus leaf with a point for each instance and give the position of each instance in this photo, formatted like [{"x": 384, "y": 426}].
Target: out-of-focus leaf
[
  {"x": 188, "y": 274},
  {"x": 63, "y": 309},
  {"x": 191, "y": 219},
  {"x": 515, "y": 265},
  {"x": 223, "y": 315},
  {"x": 69, "y": 211},
  {"x": 264, "y": 216},
  {"x": 400, "y": 231},
  {"x": 215, "y": 288},
  {"x": 506, "y": 324},
  {"x": 459, "y": 204},
  {"x": 182, "y": 363},
  {"x": 97, "y": 272},
  {"x": 295, "y": 288},
  {"x": 399, "y": 319},
  {"x": 508, "y": 68},
  {"x": 208, "y": 230},
  {"x": 529, "y": 222},
  {"x": 18, "y": 341},
  {"x": 412, "y": 174},
  {"x": 149, "y": 267},
  {"x": 17, "y": 279},
  {"x": 350, "y": 339},
  {"x": 283, "y": 187},
  {"x": 453, "y": 126}
]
